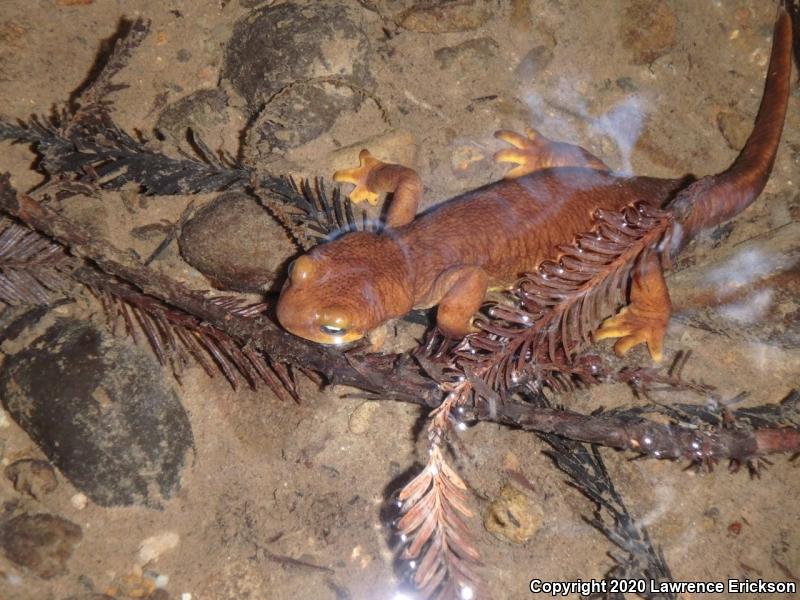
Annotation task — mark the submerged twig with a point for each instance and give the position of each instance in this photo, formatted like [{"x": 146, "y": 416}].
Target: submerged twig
[
  {"x": 178, "y": 338},
  {"x": 587, "y": 472},
  {"x": 629, "y": 431}
]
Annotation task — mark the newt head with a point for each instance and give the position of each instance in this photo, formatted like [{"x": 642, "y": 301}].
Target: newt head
[{"x": 342, "y": 290}]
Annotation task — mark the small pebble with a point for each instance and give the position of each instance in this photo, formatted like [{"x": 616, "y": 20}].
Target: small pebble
[
  {"x": 153, "y": 547},
  {"x": 79, "y": 500},
  {"x": 513, "y": 516},
  {"x": 445, "y": 17},
  {"x": 36, "y": 478},
  {"x": 40, "y": 543},
  {"x": 649, "y": 31},
  {"x": 360, "y": 420},
  {"x": 734, "y": 128}
]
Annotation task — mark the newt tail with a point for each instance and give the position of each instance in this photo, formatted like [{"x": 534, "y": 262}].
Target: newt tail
[{"x": 714, "y": 199}]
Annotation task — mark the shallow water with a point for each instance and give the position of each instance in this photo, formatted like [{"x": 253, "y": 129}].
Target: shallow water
[{"x": 271, "y": 480}]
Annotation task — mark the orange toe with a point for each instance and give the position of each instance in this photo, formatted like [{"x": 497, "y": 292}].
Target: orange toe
[
  {"x": 359, "y": 176},
  {"x": 634, "y": 327},
  {"x": 527, "y": 152}
]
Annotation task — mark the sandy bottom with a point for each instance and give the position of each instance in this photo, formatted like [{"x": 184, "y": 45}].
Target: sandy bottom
[{"x": 286, "y": 501}]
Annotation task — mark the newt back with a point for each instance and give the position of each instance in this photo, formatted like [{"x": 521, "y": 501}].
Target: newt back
[{"x": 510, "y": 226}]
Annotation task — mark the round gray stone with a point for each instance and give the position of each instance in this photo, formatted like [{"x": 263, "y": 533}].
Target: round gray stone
[
  {"x": 297, "y": 66},
  {"x": 274, "y": 46},
  {"x": 235, "y": 243}
]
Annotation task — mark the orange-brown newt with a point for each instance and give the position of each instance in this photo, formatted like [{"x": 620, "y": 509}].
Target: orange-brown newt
[{"x": 450, "y": 255}]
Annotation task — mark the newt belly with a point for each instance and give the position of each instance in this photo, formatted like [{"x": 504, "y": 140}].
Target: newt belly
[{"x": 450, "y": 255}]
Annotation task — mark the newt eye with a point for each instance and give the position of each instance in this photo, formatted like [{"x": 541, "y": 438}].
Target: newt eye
[{"x": 333, "y": 329}]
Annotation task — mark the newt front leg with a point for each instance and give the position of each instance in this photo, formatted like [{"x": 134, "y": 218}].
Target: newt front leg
[
  {"x": 462, "y": 291},
  {"x": 645, "y": 319},
  {"x": 373, "y": 176},
  {"x": 536, "y": 152}
]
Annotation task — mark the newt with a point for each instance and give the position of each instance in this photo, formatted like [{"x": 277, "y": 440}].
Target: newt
[{"x": 453, "y": 253}]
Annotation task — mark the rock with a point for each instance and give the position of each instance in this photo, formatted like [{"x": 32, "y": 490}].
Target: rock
[
  {"x": 235, "y": 243},
  {"x": 360, "y": 421},
  {"x": 274, "y": 46},
  {"x": 533, "y": 63},
  {"x": 300, "y": 115},
  {"x": 512, "y": 516},
  {"x": 79, "y": 501},
  {"x": 132, "y": 585},
  {"x": 300, "y": 63},
  {"x": 99, "y": 409},
  {"x": 648, "y": 30},
  {"x": 734, "y": 128},
  {"x": 154, "y": 546},
  {"x": 200, "y": 111},
  {"x": 469, "y": 55},
  {"x": 40, "y": 543},
  {"x": 33, "y": 477},
  {"x": 443, "y": 17}
]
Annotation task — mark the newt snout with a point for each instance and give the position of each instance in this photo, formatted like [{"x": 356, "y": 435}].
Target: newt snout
[{"x": 341, "y": 291}]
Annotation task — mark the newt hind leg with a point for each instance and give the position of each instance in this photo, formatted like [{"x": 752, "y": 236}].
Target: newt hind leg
[
  {"x": 645, "y": 319},
  {"x": 536, "y": 152},
  {"x": 373, "y": 177}
]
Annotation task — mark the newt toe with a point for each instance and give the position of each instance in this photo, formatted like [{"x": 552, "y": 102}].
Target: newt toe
[{"x": 360, "y": 177}]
